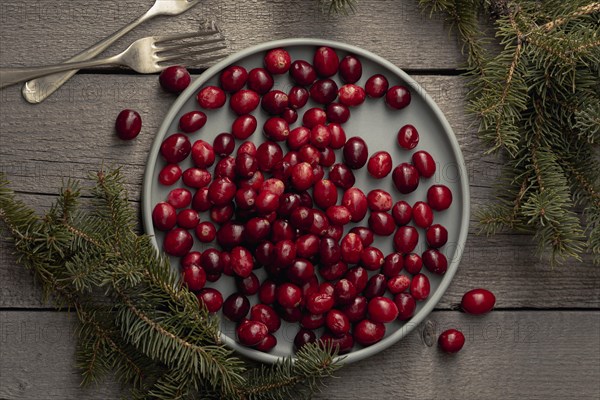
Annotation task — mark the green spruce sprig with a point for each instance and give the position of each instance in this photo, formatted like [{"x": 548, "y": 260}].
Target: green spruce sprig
[{"x": 136, "y": 320}]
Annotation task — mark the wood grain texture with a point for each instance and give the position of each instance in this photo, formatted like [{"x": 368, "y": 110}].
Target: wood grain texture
[
  {"x": 530, "y": 355},
  {"x": 35, "y": 32}
]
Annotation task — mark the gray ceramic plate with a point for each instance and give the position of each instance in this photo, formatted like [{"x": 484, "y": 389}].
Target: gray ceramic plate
[{"x": 377, "y": 124}]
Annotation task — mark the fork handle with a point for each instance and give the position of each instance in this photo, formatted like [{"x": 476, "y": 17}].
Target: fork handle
[
  {"x": 10, "y": 76},
  {"x": 37, "y": 90}
]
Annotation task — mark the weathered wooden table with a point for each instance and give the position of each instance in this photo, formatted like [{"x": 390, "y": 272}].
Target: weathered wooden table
[{"x": 543, "y": 339}]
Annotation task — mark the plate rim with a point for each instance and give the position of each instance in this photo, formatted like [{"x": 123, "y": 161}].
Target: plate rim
[{"x": 418, "y": 318}]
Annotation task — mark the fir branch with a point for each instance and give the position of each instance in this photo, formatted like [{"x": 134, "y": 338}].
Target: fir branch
[{"x": 584, "y": 10}]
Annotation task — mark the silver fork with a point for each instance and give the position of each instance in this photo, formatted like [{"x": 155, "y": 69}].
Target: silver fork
[
  {"x": 146, "y": 55},
  {"x": 38, "y": 90}
]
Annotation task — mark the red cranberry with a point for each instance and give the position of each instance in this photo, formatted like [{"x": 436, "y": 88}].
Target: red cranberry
[
  {"x": 276, "y": 128},
  {"x": 420, "y": 287},
  {"x": 211, "y": 261},
  {"x": 310, "y": 154},
  {"x": 244, "y": 101},
  {"x": 273, "y": 185},
  {"x": 344, "y": 292},
  {"x": 257, "y": 229},
  {"x": 289, "y": 295},
  {"x": 350, "y": 69},
  {"x": 337, "y": 113},
  {"x": 326, "y": 61},
  {"x": 364, "y": 233},
  {"x": 260, "y": 80},
  {"x": 225, "y": 168},
  {"x": 392, "y": 265},
  {"x": 221, "y": 191},
  {"x": 351, "y": 95},
  {"x": 424, "y": 163},
  {"x": 319, "y": 303},
  {"x": 307, "y": 246},
  {"x": 451, "y": 341},
  {"x": 245, "y": 165},
  {"x": 343, "y": 343},
  {"x": 406, "y": 305},
  {"x": 174, "y": 79},
  {"x": 233, "y": 78},
  {"x": 277, "y": 61},
  {"x": 200, "y": 200},
  {"x": 319, "y": 224},
  {"x": 436, "y": 236},
  {"x": 267, "y": 344},
  {"x": 290, "y": 314},
  {"x": 266, "y": 202},
  {"x": 413, "y": 263},
  {"x": 310, "y": 286},
  {"x": 210, "y": 298},
  {"x": 302, "y": 218},
  {"x": 371, "y": 258},
  {"x": 267, "y": 292},
  {"x": 298, "y": 137},
  {"x": 376, "y": 286},
  {"x": 287, "y": 203},
  {"x": 402, "y": 212},
  {"x": 244, "y": 126},
  {"x": 376, "y": 86},
  {"x": 303, "y": 72},
  {"x": 221, "y": 214},
  {"x": 128, "y": 124},
  {"x": 169, "y": 174},
  {"x": 242, "y": 261},
  {"x": 203, "y": 154},
  {"x": 275, "y": 102},
  {"x": 285, "y": 252},
  {"x": 247, "y": 286},
  {"x": 398, "y": 97},
  {"x": 188, "y": 218},
  {"x": 289, "y": 115},
  {"x": 230, "y": 235},
  {"x": 382, "y": 309},
  {"x": 337, "y": 322},
  {"x": 359, "y": 278},
  {"x": 304, "y": 337},
  {"x": 355, "y": 153},
  {"x": 211, "y": 97},
  {"x": 325, "y": 193},
  {"x": 236, "y": 307},
  {"x": 379, "y": 200},
  {"x": 324, "y": 91},
  {"x": 329, "y": 251},
  {"x": 251, "y": 333},
  {"x": 422, "y": 214},
  {"x": 356, "y": 310},
  {"x": 439, "y": 197},
  {"x": 298, "y": 97},
  {"x": 224, "y": 144},
  {"x": 335, "y": 232},
  {"x": 300, "y": 271},
  {"x": 179, "y": 198},
  {"x": 338, "y": 136},
  {"x": 351, "y": 247},
  {"x": 381, "y": 223},
  {"x": 247, "y": 147},
  {"x": 320, "y": 136},
  {"x": 478, "y": 301},
  {"x": 255, "y": 182},
  {"x": 302, "y": 176},
  {"x": 406, "y": 178},
  {"x": 267, "y": 315},
  {"x": 356, "y": 202},
  {"x": 314, "y": 116},
  {"x": 164, "y": 216},
  {"x": 405, "y": 239},
  {"x": 367, "y": 332},
  {"x": 194, "y": 277},
  {"x": 196, "y": 177},
  {"x": 398, "y": 284},
  {"x": 206, "y": 232},
  {"x": 178, "y": 242},
  {"x": 192, "y": 121},
  {"x": 380, "y": 164},
  {"x": 175, "y": 148},
  {"x": 408, "y": 137},
  {"x": 338, "y": 215}
]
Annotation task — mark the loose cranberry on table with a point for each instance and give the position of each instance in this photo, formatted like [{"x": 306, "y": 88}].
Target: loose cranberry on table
[
  {"x": 192, "y": 121},
  {"x": 242, "y": 261},
  {"x": 408, "y": 137},
  {"x": 289, "y": 295},
  {"x": 398, "y": 97},
  {"x": 128, "y": 124},
  {"x": 478, "y": 301},
  {"x": 174, "y": 79},
  {"x": 439, "y": 197},
  {"x": 376, "y": 86},
  {"x": 276, "y": 128},
  {"x": 451, "y": 341},
  {"x": 248, "y": 286},
  {"x": 267, "y": 315},
  {"x": 380, "y": 164},
  {"x": 267, "y": 344},
  {"x": 196, "y": 177},
  {"x": 211, "y": 97},
  {"x": 381, "y": 223},
  {"x": 169, "y": 174}
]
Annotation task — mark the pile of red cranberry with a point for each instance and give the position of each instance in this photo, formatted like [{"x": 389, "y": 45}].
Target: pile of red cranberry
[{"x": 277, "y": 206}]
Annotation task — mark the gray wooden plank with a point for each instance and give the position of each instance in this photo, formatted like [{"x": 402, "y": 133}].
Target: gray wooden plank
[
  {"x": 512, "y": 355},
  {"x": 37, "y": 32}
]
